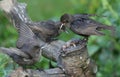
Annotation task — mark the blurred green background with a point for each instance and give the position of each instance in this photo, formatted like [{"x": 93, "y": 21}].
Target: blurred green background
[{"x": 105, "y": 50}]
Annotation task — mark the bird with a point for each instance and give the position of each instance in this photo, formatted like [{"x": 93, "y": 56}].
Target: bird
[
  {"x": 46, "y": 30},
  {"x": 27, "y": 51},
  {"x": 27, "y": 41},
  {"x": 83, "y": 25}
]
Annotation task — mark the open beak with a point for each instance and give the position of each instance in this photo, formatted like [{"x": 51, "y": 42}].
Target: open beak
[{"x": 61, "y": 26}]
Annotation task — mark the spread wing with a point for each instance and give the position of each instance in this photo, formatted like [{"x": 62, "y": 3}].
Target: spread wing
[{"x": 25, "y": 35}]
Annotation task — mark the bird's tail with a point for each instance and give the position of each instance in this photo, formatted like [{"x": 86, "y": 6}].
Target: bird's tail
[
  {"x": 11, "y": 51},
  {"x": 5, "y": 51},
  {"x": 111, "y": 28}
]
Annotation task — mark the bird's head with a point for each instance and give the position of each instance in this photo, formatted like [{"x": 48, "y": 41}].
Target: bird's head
[{"x": 65, "y": 20}]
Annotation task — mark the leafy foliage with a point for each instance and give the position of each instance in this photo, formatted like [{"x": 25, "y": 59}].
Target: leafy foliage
[{"x": 105, "y": 50}]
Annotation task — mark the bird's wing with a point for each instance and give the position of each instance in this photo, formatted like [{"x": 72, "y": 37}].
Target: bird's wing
[
  {"x": 84, "y": 28},
  {"x": 101, "y": 26},
  {"x": 86, "y": 15},
  {"x": 44, "y": 27},
  {"x": 25, "y": 34}
]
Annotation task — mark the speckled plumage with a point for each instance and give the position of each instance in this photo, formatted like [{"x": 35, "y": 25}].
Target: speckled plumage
[
  {"x": 28, "y": 42},
  {"x": 82, "y": 24},
  {"x": 45, "y": 30}
]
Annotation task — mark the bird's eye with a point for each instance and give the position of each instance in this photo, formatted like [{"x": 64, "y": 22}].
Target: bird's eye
[{"x": 66, "y": 21}]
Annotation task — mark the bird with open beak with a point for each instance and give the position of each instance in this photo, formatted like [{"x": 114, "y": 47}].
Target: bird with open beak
[
  {"x": 46, "y": 30},
  {"x": 82, "y": 24}
]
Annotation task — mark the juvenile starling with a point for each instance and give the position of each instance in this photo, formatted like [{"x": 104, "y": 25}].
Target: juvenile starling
[
  {"x": 46, "y": 30},
  {"x": 28, "y": 48},
  {"x": 28, "y": 42},
  {"x": 82, "y": 24}
]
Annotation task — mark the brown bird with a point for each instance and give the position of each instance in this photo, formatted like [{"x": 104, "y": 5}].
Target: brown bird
[
  {"x": 27, "y": 42},
  {"x": 82, "y": 24},
  {"x": 46, "y": 30},
  {"x": 28, "y": 48}
]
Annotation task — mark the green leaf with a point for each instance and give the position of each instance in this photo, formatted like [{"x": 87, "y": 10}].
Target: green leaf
[{"x": 93, "y": 49}]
